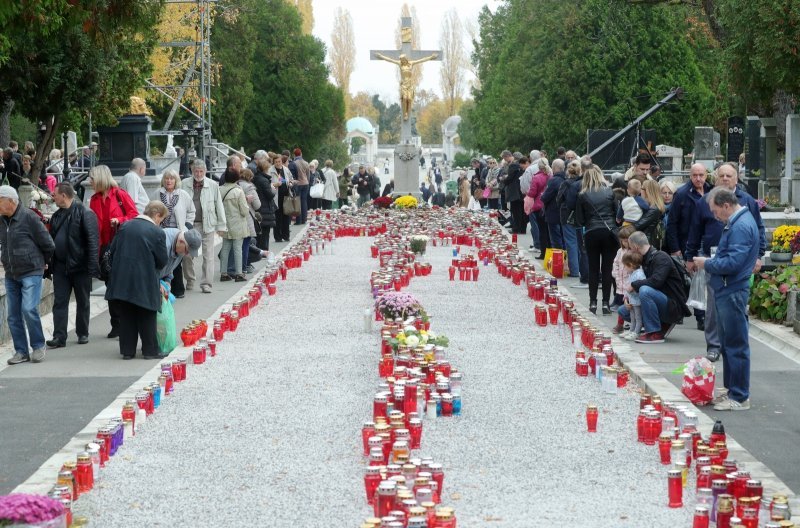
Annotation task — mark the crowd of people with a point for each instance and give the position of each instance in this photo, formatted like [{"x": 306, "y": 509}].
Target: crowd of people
[
  {"x": 635, "y": 240},
  {"x": 170, "y": 237},
  {"x": 632, "y": 241}
]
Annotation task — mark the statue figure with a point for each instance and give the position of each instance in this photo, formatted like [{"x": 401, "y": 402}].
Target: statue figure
[
  {"x": 138, "y": 106},
  {"x": 170, "y": 151},
  {"x": 407, "y": 87}
]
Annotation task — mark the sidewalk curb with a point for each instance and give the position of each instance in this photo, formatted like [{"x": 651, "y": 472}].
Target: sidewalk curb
[
  {"x": 43, "y": 479},
  {"x": 651, "y": 381},
  {"x": 778, "y": 337}
]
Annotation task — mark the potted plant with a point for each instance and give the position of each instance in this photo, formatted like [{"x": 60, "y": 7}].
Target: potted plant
[
  {"x": 419, "y": 244},
  {"x": 769, "y": 293},
  {"x": 780, "y": 254}
]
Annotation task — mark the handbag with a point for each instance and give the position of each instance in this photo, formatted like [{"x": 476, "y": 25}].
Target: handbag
[
  {"x": 291, "y": 205},
  {"x": 478, "y": 194},
  {"x": 105, "y": 263},
  {"x": 487, "y": 192},
  {"x": 317, "y": 190}
]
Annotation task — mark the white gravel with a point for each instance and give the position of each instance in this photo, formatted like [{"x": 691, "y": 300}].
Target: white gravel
[{"x": 268, "y": 433}]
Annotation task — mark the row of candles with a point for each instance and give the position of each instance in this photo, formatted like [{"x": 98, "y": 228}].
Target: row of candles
[
  {"x": 725, "y": 494},
  {"x": 416, "y": 382}
]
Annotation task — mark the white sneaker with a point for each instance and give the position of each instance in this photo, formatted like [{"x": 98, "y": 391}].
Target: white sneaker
[
  {"x": 732, "y": 405},
  {"x": 38, "y": 355},
  {"x": 722, "y": 395}
]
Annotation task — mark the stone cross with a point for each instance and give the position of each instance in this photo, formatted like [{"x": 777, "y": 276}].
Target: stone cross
[{"x": 406, "y": 58}]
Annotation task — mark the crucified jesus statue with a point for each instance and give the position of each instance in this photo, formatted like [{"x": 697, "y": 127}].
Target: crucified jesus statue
[{"x": 407, "y": 87}]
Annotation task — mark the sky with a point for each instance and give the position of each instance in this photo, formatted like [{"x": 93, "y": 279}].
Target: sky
[{"x": 375, "y": 21}]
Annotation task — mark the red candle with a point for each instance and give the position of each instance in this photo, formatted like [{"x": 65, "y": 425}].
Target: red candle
[
  {"x": 700, "y": 517},
  {"x": 675, "y": 487},
  {"x": 367, "y": 430},
  {"x": 452, "y": 271},
  {"x": 379, "y": 406},
  {"x": 372, "y": 479},
  {"x": 664, "y": 448},
  {"x": 415, "y": 431},
  {"x": 272, "y": 288},
  {"x": 591, "y": 418},
  {"x": 552, "y": 313}
]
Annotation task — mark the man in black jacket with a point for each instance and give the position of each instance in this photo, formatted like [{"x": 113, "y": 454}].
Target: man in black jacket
[
  {"x": 12, "y": 169},
  {"x": 661, "y": 293},
  {"x": 552, "y": 215},
  {"x": 26, "y": 247},
  {"x": 74, "y": 231}
]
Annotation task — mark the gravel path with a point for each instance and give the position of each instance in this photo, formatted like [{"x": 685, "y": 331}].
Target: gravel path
[{"x": 268, "y": 434}]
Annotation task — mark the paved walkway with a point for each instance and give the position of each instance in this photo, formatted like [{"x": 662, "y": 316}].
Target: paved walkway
[
  {"x": 42, "y": 406},
  {"x": 769, "y": 431}
]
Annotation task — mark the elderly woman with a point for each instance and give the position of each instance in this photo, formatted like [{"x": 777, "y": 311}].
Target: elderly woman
[
  {"x": 315, "y": 176},
  {"x": 236, "y": 213},
  {"x": 331, "y": 192},
  {"x": 268, "y": 200},
  {"x": 134, "y": 291},
  {"x": 181, "y": 213},
  {"x": 595, "y": 211},
  {"x": 113, "y": 207},
  {"x": 540, "y": 235}
]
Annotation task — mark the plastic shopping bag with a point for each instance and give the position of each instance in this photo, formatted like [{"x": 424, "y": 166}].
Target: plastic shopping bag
[
  {"x": 697, "y": 291},
  {"x": 166, "y": 332},
  {"x": 698, "y": 381}
]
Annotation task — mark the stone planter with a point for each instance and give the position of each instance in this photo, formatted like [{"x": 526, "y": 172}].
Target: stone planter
[{"x": 780, "y": 258}]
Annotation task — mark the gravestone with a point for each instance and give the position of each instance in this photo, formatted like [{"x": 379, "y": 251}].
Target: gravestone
[
  {"x": 752, "y": 149},
  {"x": 790, "y": 184},
  {"x": 406, "y": 160},
  {"x": 735, "y": 138},
  {"x": 705, "y": 150},
  {"x": 769, "y": 160}
]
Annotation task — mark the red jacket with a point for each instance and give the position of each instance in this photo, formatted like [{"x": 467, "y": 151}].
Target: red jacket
[
  {"x": 538, "y": 184},
  {"x": 118, "y": 204}
]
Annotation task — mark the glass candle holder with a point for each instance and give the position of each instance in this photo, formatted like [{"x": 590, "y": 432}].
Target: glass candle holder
[
  {"x": 591, "y": 418},
  {"x": 675, "y": 488},
  {"x": 700, "y": 517}
]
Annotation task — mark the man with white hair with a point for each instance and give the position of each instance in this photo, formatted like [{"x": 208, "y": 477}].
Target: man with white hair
[
  {"x": 25, "y": 248},
  {"x": 132, "y": 184},
  {"x": 258, "y": 156}
]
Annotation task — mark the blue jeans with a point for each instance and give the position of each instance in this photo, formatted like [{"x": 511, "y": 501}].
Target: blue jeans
[
  {"x": 732, "y": 326},
  {"x": 654, "y": 309},
  {"x": 535, "y": 235},
  {"x": 22, "y": 306},
  {"x": 302, "y": 192},
  {"x": 574, "y": 260}
]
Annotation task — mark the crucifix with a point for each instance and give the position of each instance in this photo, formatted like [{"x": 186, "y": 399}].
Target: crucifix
[{"x": 406, "y": 58}]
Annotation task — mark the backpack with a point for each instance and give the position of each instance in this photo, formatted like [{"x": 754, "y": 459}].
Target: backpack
[
  {"x": 561, "y": 201},
  {"x": 680, "y": 265}
]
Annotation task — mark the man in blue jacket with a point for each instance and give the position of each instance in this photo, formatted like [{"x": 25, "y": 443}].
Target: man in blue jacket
[
  {"x": 729, "y": 273},
  {"x": 681, "y": 214},
  {"x": 705, "y": 233}
]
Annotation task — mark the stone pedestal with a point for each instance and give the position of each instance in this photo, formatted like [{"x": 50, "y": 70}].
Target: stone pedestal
[
  {"x": 792, "y": 171},
  {"x": 406, "y": 171},
  {"x": 752, "y": 151},
  {"x": 128, "y": 140}
]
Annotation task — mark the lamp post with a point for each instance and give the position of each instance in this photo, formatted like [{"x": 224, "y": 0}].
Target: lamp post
[
  {"x": 200, "y": 129},
  {"x": 65, "y": 158}
]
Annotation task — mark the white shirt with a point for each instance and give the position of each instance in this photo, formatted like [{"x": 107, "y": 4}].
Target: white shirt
[{"x": 132, "y": 184}]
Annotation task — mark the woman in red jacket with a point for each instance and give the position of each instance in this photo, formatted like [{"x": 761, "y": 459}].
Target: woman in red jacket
[
  {"x": 535, "y": 209},
  {"x": 113, "y": 207}
]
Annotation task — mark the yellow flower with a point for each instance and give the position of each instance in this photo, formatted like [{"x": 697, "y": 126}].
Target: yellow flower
[{"x": 784, "y": 234}]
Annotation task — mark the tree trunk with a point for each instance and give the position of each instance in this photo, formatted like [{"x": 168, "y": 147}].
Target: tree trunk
[
  {"x": 5, "y": 122},
  {"x": 43, "y": 149}
]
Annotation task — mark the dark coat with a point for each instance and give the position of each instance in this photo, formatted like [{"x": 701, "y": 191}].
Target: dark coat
[
  {"x": 12, "y": 171},
  {"x": 551, "y": 208},
  {"x": 138, "y": 253},
  {"x": 266, "y": 195},
  {"x": 650, "y": 224},
  {"x": 82, "y": 238},
  {"x": 681, "y": 214},
  {"x": 596, "y": 210},
  {"x": 26, "y": 245},
  {"x": 512, "y": 190},
  {"x": 663, "y": 276}
]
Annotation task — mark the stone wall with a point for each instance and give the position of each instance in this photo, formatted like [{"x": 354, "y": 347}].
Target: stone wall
[{"x": 45, "y": 307}]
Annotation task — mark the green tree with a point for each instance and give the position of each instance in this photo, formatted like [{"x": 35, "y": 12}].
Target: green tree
[
  {"x": 293, "y": 101},
  {"x": 562, "y": 69},
  {"x": 388, "y": 120},
  {"x": 99, "y": 58},
  {"x": 233, "y": 44}
]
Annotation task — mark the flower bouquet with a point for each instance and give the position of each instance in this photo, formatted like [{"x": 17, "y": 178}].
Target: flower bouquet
[
  {"x": 31, "y": 511},
  {"x": 392, "y": 305},
  {"x": 419, "y": 244},
  {"x": 405, "y": 202},
  {"x": 383, "y": 202},
  {"x": 410, "y": 336}
]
